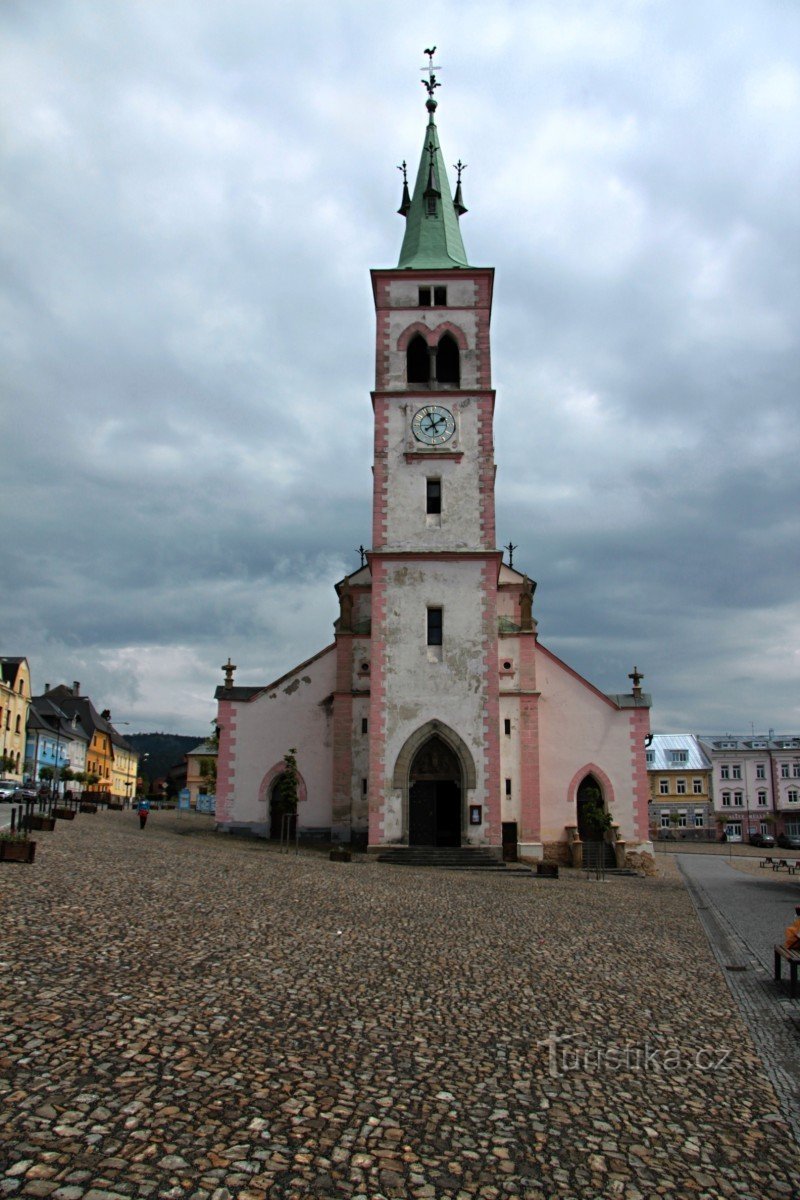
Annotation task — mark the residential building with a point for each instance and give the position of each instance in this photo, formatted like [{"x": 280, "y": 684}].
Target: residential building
[
  {"x": 201, "y": 771},
  {"x": 15, "y": 699},
  {"x": 680, "y": 788},
  {"x": 56, "y": 743},
  {"x": 111, "y": 764},
  {"x": 755, "y": 782}
]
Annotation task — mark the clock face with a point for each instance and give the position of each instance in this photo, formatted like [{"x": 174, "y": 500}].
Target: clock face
[{"x": 433, "y": 425}]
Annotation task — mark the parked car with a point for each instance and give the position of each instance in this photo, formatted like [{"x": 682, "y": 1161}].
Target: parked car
[
  {"x": 789, "y": 841},
  {"x": 762, "y": 839},
  {"x": 23, "y": 793},
  {"x": 7, "y": 788}
]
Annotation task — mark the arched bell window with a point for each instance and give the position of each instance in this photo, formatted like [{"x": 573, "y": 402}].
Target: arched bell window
[
  {"x": 418, "y": 363},
  {"x": 448, "y": 361}
]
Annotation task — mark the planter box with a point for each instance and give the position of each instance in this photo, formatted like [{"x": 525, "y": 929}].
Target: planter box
[
  {"x": 41, "y": 822},
  {"x": 547, "y": 870},
  {"x": 23, "y": 852},
  {"x": 64, "y": 814},
  {"x": 90, "y": 808},
  {"x": 110, "y": 806},
  {"x": 339, "y": 854}
]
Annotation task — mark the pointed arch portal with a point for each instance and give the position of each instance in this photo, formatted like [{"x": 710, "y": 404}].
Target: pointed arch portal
[{"x": 433, "y": 771}]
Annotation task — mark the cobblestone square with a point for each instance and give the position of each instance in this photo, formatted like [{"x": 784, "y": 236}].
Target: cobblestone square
[{"x": 189, "y": 1015}]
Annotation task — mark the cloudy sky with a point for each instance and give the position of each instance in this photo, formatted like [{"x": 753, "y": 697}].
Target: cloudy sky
[{"x": 192, "y": 196}]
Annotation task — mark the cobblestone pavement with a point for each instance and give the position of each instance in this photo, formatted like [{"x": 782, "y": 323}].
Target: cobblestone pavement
[{"x": 201, "y": 1017}]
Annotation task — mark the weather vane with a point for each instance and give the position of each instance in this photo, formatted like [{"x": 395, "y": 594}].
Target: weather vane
[
  {"x": 459, "y": 166},
  {"x": 430, "y": 84},
  {"x": 361, "y": 549},
  {"x": 511, "y": 548},
  {"x": 404, "y": 168}
]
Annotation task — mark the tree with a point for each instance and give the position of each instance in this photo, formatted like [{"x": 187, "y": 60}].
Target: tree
[
  {"x": 595, "y": 818},
  {"x": 208, "y": 771},
  {"x": 288, "y": 783}
]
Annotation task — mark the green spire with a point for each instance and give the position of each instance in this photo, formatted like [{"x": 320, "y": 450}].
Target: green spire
[{"x": 432, "y": 238}]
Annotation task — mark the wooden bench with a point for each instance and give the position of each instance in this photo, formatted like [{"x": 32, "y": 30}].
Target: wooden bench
[
  {"x": 765, "y": 862},
  {"x": 792, "y": 957},
  {"x": 778, "y": 863}
]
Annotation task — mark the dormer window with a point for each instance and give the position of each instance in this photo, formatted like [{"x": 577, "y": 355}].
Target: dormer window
[{"x": 431, "y": 206}]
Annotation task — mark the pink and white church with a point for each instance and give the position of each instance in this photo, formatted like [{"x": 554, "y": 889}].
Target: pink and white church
[{"x": 436, "y": 716}]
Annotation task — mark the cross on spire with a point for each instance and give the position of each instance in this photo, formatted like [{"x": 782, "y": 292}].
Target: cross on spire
[
  {"x": 637, "y": 677},
  {"x": 511, "y": 548},
  {"x": 363, "y": 554}
]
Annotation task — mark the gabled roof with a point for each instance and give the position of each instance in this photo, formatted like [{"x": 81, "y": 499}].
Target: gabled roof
[
  {"x": 46, "y": 715},
  {"x": 91, "y": 720},
  {"x": 9, "y": 670},
  {"x": 205, "y": 748},
  {"x": 661, "y": 748}
]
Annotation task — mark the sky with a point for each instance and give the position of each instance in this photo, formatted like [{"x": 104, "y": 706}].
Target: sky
[{"x": 191, "y": 198}]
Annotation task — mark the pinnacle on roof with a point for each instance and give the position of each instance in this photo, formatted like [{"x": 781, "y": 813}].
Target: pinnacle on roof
[{"x": 432, "y": 238}]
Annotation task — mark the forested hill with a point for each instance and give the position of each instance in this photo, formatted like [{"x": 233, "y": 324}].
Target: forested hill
[{"x": 164, "y": 750}]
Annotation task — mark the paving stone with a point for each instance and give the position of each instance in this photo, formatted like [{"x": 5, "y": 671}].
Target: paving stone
[{"x": 463, "y": 1036}]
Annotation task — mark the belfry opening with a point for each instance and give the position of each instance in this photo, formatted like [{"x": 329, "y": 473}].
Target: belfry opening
[{"x": 434, "y": 797}]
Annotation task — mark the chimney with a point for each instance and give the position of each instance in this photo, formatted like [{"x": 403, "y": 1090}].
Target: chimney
[
  {"x": 47, "y": 687},
  {"x": 76, "y": 688}
]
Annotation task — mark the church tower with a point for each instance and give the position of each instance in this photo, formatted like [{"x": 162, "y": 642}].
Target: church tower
[
  {"x": 436, "y": 717},
  {"x": 434, "y": 698}
]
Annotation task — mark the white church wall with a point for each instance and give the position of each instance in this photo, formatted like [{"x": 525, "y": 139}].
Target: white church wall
[
  {"x": 420, "y": 687},
  {"x": 289, "y": 715},
  {"x": 579, "y": 729}
]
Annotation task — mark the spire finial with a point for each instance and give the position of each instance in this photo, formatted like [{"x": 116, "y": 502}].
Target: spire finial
[
  {"x": 431, "y": 83},
  {"x": 228, "y": 668},
  {"x": 458, "y": 199},
  {"x": 405, "y": 203},
  {"x": 637, "y": 678}
]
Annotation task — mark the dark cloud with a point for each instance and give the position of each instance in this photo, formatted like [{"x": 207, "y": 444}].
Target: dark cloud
[{"x": 192, "y": 197}]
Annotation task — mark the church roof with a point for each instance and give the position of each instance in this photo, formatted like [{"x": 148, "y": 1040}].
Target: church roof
[{"x": 433, "y": 237}]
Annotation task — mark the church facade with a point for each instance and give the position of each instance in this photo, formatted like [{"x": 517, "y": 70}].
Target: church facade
[{"x": 436, "y": 717}]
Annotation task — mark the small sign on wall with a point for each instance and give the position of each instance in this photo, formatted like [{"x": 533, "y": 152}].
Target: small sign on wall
[{"x": 475, "y": 814}]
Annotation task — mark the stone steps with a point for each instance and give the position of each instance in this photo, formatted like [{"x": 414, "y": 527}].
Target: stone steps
[{"x": 453, "y": 858}]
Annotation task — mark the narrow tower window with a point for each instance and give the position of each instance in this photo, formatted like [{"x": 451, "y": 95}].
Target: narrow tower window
[
  {"x": 435, "y": 627},
  {"x": 424, "y": 297},
  {"x": 448, "y": 366},
  {"x": 418, "y": 363},
  {"x": 440, "y": 297},
  {"x": 433, "y": 495}
]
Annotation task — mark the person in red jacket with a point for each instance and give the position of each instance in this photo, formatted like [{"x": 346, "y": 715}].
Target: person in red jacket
[{"x": 143, "y": 808}]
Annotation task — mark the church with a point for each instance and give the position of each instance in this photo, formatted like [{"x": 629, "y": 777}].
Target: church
[{"x": 436, "y": 716}]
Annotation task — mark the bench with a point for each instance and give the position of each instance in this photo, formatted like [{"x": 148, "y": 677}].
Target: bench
[
  {"x": 792, "y": 957},
  {"x": 765, "y": 862},
  {"x": 791, "y": 867}
]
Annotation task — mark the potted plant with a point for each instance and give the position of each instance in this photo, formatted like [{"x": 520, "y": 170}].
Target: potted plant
[
  {"x": 41, "y": 822},
  {"x": 16, "y": 847}
]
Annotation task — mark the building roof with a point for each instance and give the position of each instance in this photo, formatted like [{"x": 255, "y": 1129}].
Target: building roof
[
  {"x": 716, "y": 742},
  {"x": 9, "y": 670},
  {"x": 46, "y": 715},
  {"x": 91, "y": 720},
  {"x": 205, "y": 748},
  {"x": 661, "y": 746},
  {"x": 432, "y": 240}
]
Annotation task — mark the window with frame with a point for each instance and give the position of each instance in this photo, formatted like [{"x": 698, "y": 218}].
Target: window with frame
[
  {"x": 699, "y": 820},
  {"x": 697, "y": 787},
  {"x": 682, "y": 820},
  {"x": 761, "y": 798},
  {"x": 664, "y": 819},
  {"x": 650, "y": 757},
  {"x": 738, "y": 800},
  {"x": 663, "y": 787},
  {"x": 680, "y": 787},
  {"x": 678, "y": 756},
  {"x": 792, "y": 795},
  {"x": 736, "y": 771},
  {"x": 760, "y": 771},
  {"x": 435, "y": 626},
  {"x": 724, "y": 771},
  {"x": 795, "y": 770},
  {"x": 433, "y": 496},
  {"x": 726, "y": 798},
  {"x": 784, "y": 770}
]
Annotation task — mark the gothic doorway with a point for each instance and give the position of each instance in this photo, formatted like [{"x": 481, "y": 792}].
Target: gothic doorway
[
  {"x": 589, "y": 792},
  {"x": 434, "y": 798},
  {"x": 277, "y": 808}
]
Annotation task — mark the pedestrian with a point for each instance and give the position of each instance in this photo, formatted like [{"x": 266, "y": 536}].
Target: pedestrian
[{"x": 143, "y": 809}]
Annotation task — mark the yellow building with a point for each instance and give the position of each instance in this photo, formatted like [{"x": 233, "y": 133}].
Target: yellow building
[
  {"x": 201, "y": 771},
  {"x": 15, "y": 701},
  {"x": 124, "y": 769},
  {"x": 680, "y": 788}
]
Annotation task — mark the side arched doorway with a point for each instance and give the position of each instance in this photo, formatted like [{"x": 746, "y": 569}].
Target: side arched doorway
[
  {"x": 435, "y": 796},
  {"x": 589, "y": 793},
  {"x": 277, "y": 808}
]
